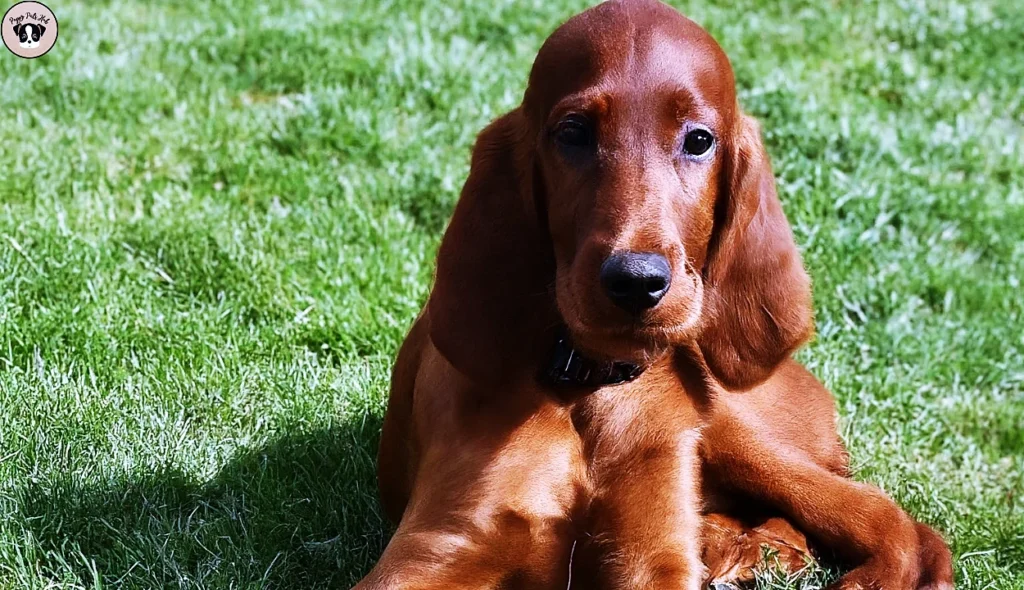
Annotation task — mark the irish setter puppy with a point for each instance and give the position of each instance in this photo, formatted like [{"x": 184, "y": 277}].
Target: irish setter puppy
[{"x": 599, "y": 391}]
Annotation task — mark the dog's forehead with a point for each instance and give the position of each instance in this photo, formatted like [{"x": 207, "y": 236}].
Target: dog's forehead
[{"x": 632, "y": 43}]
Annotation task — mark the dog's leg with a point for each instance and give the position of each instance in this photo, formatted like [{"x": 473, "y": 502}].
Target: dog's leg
[
  {"x": 490, "y": 507},
  {"x": 644, "y": 519},
  {"x": 855, "y": 520}
]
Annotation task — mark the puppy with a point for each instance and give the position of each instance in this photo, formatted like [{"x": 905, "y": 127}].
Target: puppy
[
  {"x": 599, "y": 392},
  {"x": 29, "y": 34}
]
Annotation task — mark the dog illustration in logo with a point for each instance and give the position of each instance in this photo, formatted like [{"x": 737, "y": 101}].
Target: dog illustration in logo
[{"x": 29, "y": 34}]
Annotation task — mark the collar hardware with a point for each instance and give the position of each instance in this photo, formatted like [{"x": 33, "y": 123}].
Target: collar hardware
[{"x": 570, "y": 368}]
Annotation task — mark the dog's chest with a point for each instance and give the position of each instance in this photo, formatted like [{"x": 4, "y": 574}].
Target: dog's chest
[
  {"x": 652, "y": 412},
  {"x": 644, "y": 433}
]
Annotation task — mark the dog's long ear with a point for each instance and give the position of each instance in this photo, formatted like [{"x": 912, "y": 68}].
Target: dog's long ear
[
  {"x": 490, "y": 303},
  {"x": 18, "y": 27},
  {"x": 42, "y": 30},
  {"x": 757, "y": 294}
]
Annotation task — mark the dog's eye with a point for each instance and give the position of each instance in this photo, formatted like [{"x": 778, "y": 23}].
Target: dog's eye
[
  {"x": 698, "y": 142},
  {"x": 573, "y": 131}
]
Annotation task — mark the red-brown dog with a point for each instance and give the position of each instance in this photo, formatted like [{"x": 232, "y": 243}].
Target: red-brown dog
[{"x": 599, "y": 392}]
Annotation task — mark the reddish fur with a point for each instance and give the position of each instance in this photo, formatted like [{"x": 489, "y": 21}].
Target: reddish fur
[{"x": 722, "y": 445}]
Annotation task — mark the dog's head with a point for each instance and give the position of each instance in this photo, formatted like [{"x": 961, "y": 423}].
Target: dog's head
[
  {"x": 632, "y": 188},
  {"x": 29, "y": 34}
]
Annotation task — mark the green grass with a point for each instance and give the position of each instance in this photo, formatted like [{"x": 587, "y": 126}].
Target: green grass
[{"x": 217, "y": 220}]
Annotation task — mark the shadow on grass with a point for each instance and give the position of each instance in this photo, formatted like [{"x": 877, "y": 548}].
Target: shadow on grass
[{"x": 302, "y": 512}]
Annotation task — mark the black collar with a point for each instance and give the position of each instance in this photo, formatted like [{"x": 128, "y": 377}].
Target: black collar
[{"x": 569, "y": 368}]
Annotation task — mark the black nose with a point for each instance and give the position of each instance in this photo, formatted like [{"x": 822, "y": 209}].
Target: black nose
[{"x": 636, "y": 281}]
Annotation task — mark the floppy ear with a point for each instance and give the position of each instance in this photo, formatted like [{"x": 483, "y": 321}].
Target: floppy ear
[
  {"x": 42, "y": 30},
  {"x": 17, "y": 28},
  {"x": 490, "y": 306},
  {"x": 757, "y": 294}
]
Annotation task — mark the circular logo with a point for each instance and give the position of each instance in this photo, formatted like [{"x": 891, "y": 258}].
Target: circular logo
[{"x": 29, "y": 29}]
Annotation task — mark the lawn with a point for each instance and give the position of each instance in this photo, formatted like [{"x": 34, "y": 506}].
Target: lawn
[{"x": 218, "y": 219}]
